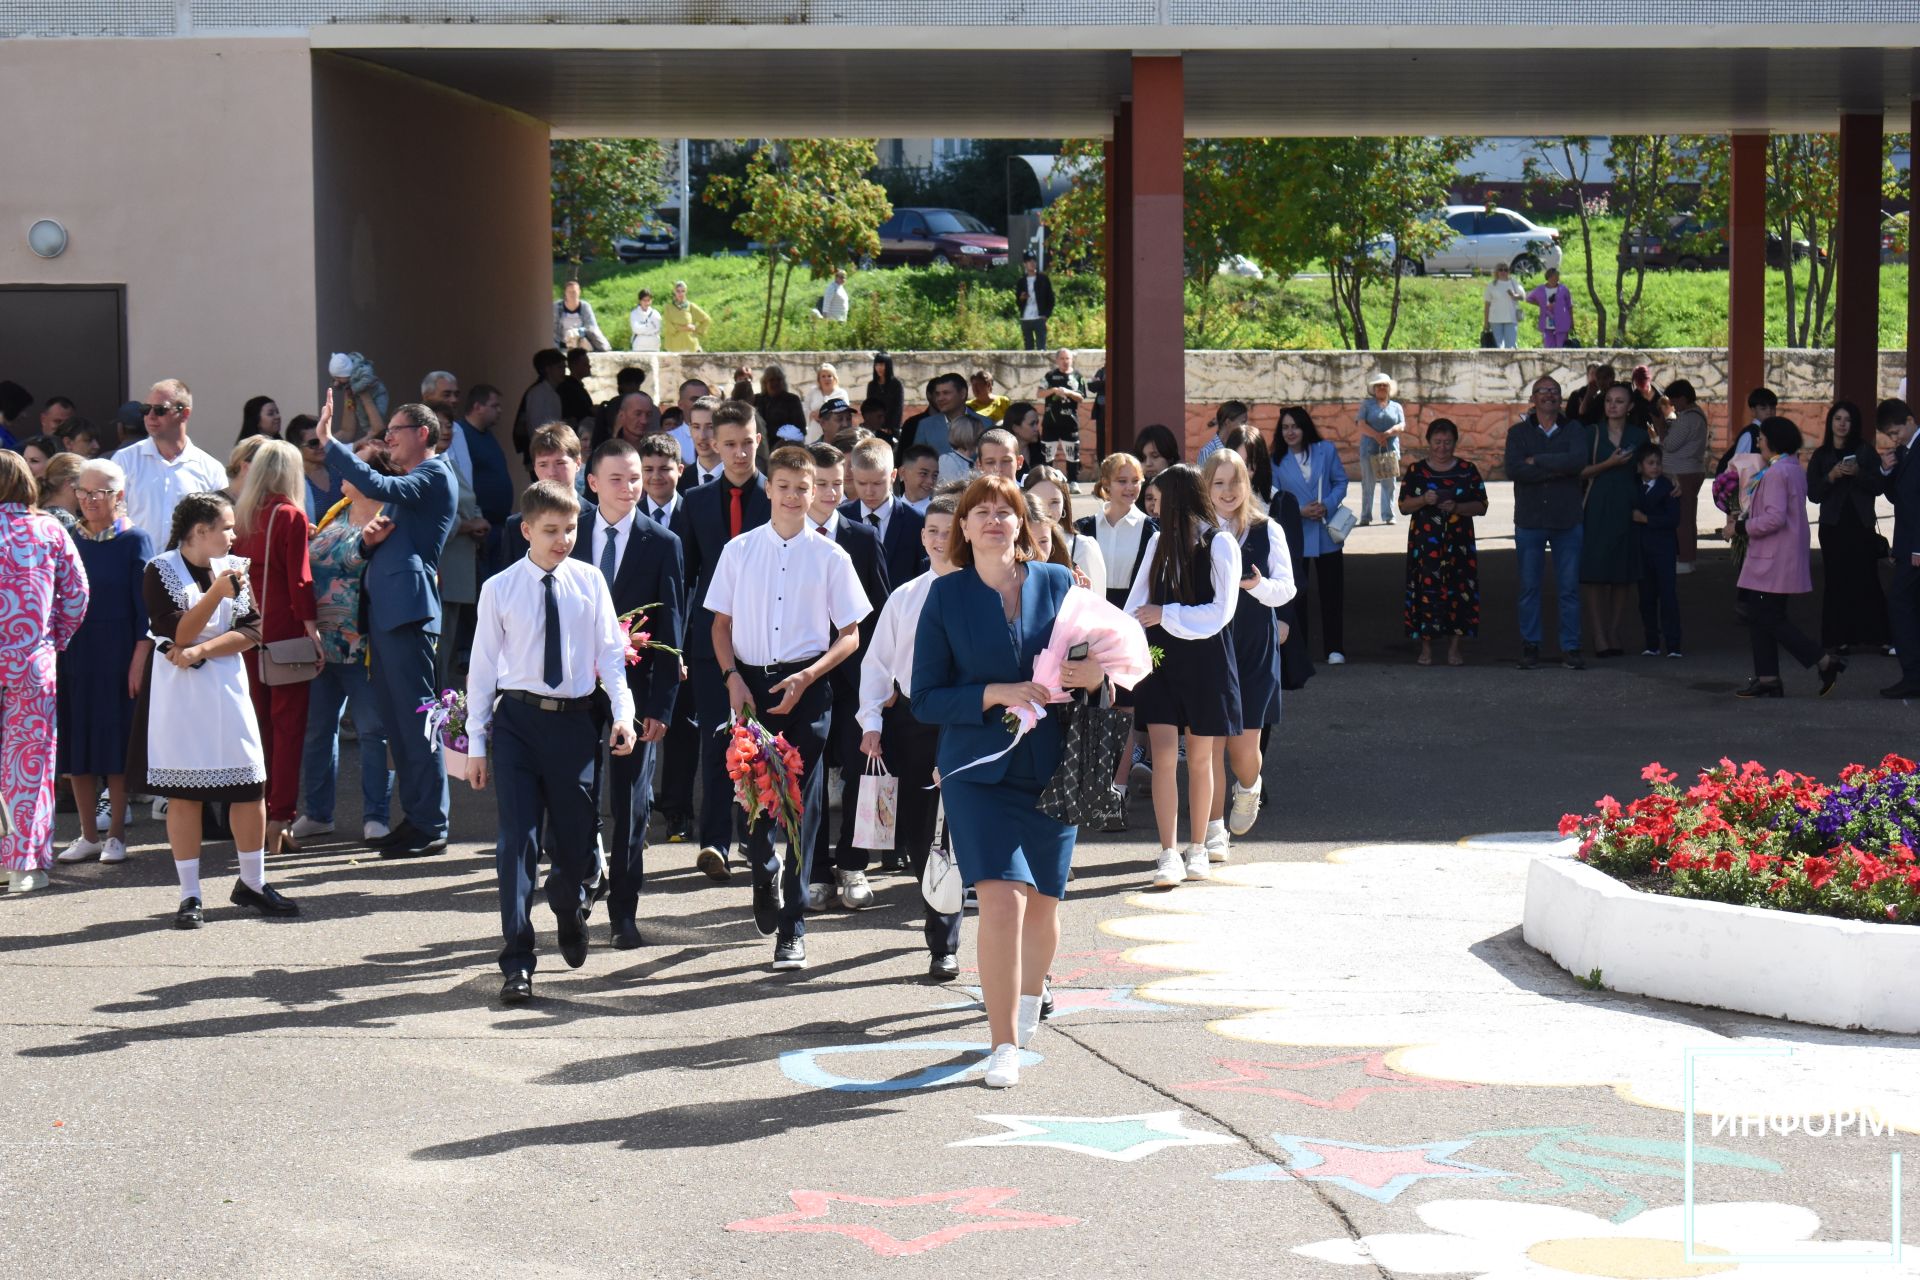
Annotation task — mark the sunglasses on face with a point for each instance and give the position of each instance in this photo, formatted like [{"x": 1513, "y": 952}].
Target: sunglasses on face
[{"x": 160, "y": 410}]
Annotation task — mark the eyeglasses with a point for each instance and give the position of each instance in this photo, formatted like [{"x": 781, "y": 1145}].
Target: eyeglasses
[
  {"x": 310, "y": 443},
  {"x": 160, "y": 410},
  {"x": 86, "y": 495}
]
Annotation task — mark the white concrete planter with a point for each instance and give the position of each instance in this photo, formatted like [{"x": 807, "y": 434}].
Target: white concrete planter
[{"x": 1779, "y": 964}]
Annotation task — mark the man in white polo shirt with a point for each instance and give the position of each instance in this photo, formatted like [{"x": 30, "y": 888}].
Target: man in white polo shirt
[{"x": 166, "y": 466}]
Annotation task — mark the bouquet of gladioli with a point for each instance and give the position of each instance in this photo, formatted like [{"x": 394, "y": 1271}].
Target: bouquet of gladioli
[
  {"x": 765, "y": 769},
  {"x": 446, "y": 719},
  {"x": 633, "y": 626}
]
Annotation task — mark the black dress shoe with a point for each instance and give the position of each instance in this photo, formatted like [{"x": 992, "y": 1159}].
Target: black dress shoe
[
  {"x": 1901, "y": 691},
  {"x": 626, "y": 937},
  {"x": 401, "y": 834},
  {"x": 1830, "y": 672},
  {"x": 943, "y": 968},
  {"x": 894, "y": 861},
  {"x": 267, "y": 900},
  {"x": 189, "y": 916},
  {"x": 417, "y": 844},
  {"x": 573, "y": 938},
  {"x": 1572, "y": 660},
  {"x": 1529, "y": 657},
  {"x": 766, "y": 904},
  {"x": 1756, "y": 688},
  {"x": 517, "y": 989}
]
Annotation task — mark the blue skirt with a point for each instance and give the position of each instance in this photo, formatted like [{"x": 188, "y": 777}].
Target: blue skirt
[{"x": 997, "y": 832}]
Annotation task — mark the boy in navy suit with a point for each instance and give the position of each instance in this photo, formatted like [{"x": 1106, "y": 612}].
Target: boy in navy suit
[
  {"x": 640, "y": 560},
  {"x": 677, "y": 758},
  {"x": 710, "y": 516},
  {"x": 835, "y": 861},
  {"x": 870, "y": 475},
  {"x": 555, "y": 450},
  {"x": 1900, "y": 481},
  {"x": 1656, "y": 514}
]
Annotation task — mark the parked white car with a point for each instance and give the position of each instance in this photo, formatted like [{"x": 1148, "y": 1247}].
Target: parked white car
[{"x": 1484, "y": 238}]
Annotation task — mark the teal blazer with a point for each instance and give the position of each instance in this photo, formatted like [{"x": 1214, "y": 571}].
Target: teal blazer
[{"x": 961, "y": 647}]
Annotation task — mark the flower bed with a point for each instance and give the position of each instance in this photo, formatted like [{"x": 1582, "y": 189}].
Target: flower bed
[{"x": 1747, "y": 837}]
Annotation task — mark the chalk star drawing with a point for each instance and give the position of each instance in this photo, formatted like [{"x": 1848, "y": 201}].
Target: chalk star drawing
[
  {"x": 803, "y": 1066},
  {"x": 980, "y": 1206},
  {"x": 1250, "y": 1077},
  {"x": 1068, "y": 1001},
  {"x": 1127, "y": 1138},
  {"x": 1378, "y": 1173},
  {"x": 1576, "y": 1158}
]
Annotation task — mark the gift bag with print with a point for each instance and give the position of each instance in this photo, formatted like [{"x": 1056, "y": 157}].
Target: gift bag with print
[{"x": 878, "y": 804}]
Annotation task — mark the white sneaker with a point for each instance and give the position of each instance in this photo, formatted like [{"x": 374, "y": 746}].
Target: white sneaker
[
  {"x": 855, "y": 892},
  {"x": 374, "y": 829},
  {"x": 304, "y": 826},
  {"x": 28, "y": 881},
  {"x": 1219, "y": 847},
  {"x": 1336, "y": 659},
  {"x": 103, "y": 814},
  {"x": 1026, "y": 1020},
  {"x": 819, "y": 897},
  {"x": 1197, "y": 862},
  {"x": 116, "y": 850},
  {"x": 81, "y": 850},
  {"x": 1169, "y": 871},
  {"x": 1682, "y": 567},
  {"x": 1003, "y": 1067},
  {"x": 159, "y": 809},
  {"x": 1243, "y": 807}
]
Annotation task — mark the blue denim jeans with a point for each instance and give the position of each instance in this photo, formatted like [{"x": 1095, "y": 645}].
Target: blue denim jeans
[
  {"x": 341, "y": 684},
  {"x": 1505, "y": 336},
  {"x": 1532, "y": 545},
  {"x": 1389, "y": 490}
]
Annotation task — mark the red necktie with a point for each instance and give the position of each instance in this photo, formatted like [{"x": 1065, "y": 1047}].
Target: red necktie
[
  {"x": 820, "y": 529},
  {"x": 736, "y": 515}
]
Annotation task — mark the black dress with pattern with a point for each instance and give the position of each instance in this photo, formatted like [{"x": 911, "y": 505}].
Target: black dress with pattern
[{"x": 1443, "y": 564}]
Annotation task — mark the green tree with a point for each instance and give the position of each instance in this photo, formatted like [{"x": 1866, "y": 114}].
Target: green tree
[
  {"x": 1565, "y": 165},
  {"x": 808, "y": 202},
  {"x": 1649, "y": 171},
  {"x": 604, "y": 188}
]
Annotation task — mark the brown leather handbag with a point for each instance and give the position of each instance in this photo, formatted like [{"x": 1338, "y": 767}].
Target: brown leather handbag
[{"x": 293, "y": 661}]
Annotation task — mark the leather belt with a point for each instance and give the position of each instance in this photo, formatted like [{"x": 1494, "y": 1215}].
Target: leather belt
[{"x": 540, "y": 703}]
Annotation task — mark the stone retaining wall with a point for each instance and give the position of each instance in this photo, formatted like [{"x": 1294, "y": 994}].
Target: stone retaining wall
[{"x": 1483, "y": 392}]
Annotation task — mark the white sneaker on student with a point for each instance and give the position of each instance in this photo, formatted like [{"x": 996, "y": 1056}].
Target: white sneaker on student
[
  {"x": 855, "y": 892},
  {"x": 1243, "y": 807},
  {"x": 1026, "y": 1020},
  {"x": 1169, "y": 870},
  {"x": 374, "y": 829},
  {"x": 81, "y": 850},
  {"x": 1219, "y": 844},
  {"x": 1197, "y": 862},
  {"x": 304, "y": 827},
  {"x": 819, "y": 896},
  {"x": 159, "y": 809},
  {"x": 1003, "y": 1067},
  {"x": 116, "y": 850},
  {"x": 1336, "y": 659}
]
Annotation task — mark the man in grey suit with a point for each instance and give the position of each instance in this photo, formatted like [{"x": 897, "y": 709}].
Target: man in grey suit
[{"x": 403, "y": 606}]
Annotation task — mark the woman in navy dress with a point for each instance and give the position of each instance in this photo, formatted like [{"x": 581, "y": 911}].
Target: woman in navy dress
[
  {"x": 1266, "y": 583},
  {"x": 980, "y": 631},
  {"x": 102, "y": 668},
  {"x": 1185, "y": 597}
]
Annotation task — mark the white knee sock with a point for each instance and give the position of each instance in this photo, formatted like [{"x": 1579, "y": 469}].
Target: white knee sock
[
  {"x": 189, "y": 873},
  {"x": 253, "y": 870}
]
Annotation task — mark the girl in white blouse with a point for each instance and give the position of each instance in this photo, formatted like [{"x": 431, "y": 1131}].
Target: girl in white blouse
[{"x": 645, "y": 323}]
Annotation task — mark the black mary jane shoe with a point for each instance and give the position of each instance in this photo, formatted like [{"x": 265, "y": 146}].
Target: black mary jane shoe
[
  {"x": 517, "y": 989},
  {"x": 1830, "y": 672},
  {"x": 1756, "y": 688},
  {"x": 189, "y": 916},
  {"x": 267, "y": 900}
]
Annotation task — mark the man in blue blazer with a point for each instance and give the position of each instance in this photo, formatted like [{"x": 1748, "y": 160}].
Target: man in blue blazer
[
  {"x": 862, "y": 545},
  {"x": 403, "y": 608},
  {"x": 870, "y": 475},
  {"x": 1900, "y": 481},
  {"x": 640, "y": 558},
  {"x": 709, "y": 517}
]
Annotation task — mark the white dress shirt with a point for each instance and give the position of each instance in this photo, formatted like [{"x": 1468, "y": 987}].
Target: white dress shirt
[
  {"x": 683, "y": 436},
  {"x": 509, "y": 642},
  {"x": 1120, "y": 543},
  {"x": 623, "y": 531},
  {"x": 703, "y": 476},
  {"x": 886, "y": 518},
  {"x": 1276, "y": 575},
  {"x": 1086, "y": 557},
  {"x": 647, "y": 508},
  {"x": 788, "y": 597},
  {"x": 920, "y": 507},
  {"x": 155, "y": 485},
  {"x": 1195, "y": 621},
  {"x": 830, "y": 527},
  {"x": 889, "y": 659}
]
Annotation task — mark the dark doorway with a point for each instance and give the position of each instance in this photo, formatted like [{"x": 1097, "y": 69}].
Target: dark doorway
[{"x": 67, "y": 341}]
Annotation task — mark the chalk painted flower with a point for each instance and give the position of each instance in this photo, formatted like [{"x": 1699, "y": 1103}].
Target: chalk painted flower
[{"x": 1503, "y": 1240}]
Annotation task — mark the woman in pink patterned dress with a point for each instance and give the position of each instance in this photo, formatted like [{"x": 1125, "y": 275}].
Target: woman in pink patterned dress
[{"x": 43, "y": 600}]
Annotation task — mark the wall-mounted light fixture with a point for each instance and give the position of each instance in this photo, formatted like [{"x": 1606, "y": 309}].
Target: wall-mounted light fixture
[{"x": 47, "y": 238}]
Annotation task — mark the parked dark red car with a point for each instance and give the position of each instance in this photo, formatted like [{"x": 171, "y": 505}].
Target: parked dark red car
[{"x": 919, "y": 237}]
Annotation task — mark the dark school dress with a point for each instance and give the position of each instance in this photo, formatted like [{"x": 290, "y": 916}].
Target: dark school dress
[
  {"x": 1256, "y": 638},
  {"x": 1609, "y": 546},
  {"x": 1443, "y": 563},
  {"x": 1197, "y": 684},
  {"x": 95, "y": 713}
]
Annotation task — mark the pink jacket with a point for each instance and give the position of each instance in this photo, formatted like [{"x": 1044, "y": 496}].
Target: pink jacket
[{"x": 1777, "y": 538}]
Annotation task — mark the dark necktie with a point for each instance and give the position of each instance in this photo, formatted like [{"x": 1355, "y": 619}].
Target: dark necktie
[
  {"x": 736, "y": 511},
  {"x": 659, "y": 515},
  {"x": 552, "y": 671},
  {"x": 706, "y": 477},
  {"x": 610, "y": 555},
  {"x": 873, "y": 518}
]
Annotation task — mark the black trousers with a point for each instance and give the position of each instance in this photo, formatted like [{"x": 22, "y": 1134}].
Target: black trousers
[
  {"x": 1903, "y": 611},
  {"x": 1034, "y": 334},
  {"x": 542, "y": 764},
  {"x": 805, "y": 729},
  {"x": 1773, "y": 631},
  {"x": 909, "y": 748},
  {"x": 1331, "y": 570},
  {"x": 716, "y": 789},
  {"x": 1660, "y": 597},
  {"x": 679, "y": 761},
  {"x": 630, "y": 778},
  {"x": 833, "y": 848}
]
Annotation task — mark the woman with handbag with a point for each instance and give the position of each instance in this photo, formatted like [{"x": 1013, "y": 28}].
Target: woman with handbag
[
  {"x": 979, "y": 633},
  {"x": 1310, "y": 470},
  {"x": 1841, "y": 477},
  {"x": 195, "y": 738},
  {"x": 1381, "y": 421},
  {"x": 1185, "y": 597},
  {"x": 271, "y": 521}
]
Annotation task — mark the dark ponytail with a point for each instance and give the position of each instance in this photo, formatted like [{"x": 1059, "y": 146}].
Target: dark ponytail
[
  {"x": 193, "y": 511},
  {"x": 1184, "y": 508}
]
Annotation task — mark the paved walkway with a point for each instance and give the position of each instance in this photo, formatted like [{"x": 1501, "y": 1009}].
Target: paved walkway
[{"x": 1338, "y": 1059}]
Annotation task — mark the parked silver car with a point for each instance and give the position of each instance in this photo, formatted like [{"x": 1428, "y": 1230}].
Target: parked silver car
[{"x": 1484, "y": 238}]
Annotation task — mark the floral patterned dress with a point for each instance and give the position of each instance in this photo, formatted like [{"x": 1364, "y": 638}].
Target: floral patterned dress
[{"x": 1443, "y": 565}]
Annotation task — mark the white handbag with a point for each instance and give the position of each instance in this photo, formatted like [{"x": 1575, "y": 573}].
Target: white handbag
[
  {"x": 1340, "y": 520},
  {"x": 940, "y": 882}
]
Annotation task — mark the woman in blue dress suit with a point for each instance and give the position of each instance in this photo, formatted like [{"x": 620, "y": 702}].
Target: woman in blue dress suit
[
  {"x": 973, "y": 655},
  {"x": 1309, "y": 469}
]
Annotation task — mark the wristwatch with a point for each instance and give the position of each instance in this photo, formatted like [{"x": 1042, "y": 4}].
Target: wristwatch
[{"x": 729, "y": 673}]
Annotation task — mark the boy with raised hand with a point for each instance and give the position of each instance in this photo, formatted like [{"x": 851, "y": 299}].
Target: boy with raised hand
[
  {"x": 786, "y": 606},
  {"x": 544, "y": 640}
]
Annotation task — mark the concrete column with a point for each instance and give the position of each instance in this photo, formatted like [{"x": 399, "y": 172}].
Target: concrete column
[
  {"x": 1747, "y": 275},
  {"x": 1154, "y": 365},
  {"x": 1856, "y": 321},
  {"x": 1120, "y": 414}
]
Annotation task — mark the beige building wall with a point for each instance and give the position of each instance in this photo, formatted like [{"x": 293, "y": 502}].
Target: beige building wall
[
  {"x": 182, "y": 170},
  {"x": 433, "y": 242}
]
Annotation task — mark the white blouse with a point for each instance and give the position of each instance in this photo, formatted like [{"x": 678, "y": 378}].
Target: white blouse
[
  {"x": 646, "y": 328},
  {"x": 1086, "y": 556},
  {"x": 1120, "y": 543},
  {"x": 1195, "y": 621}
]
